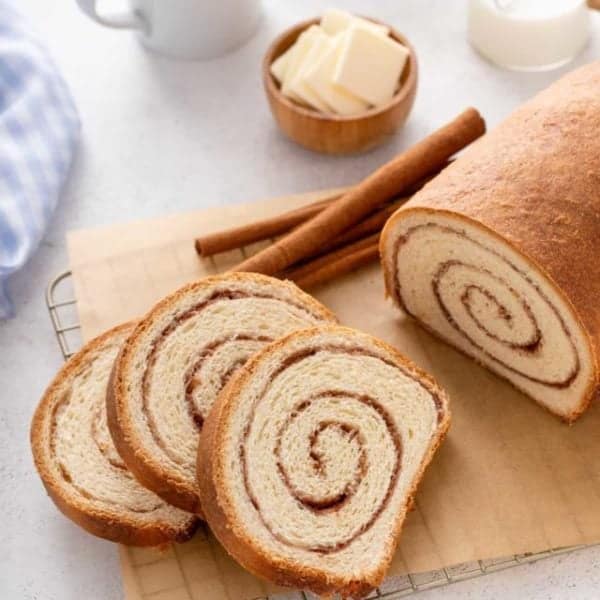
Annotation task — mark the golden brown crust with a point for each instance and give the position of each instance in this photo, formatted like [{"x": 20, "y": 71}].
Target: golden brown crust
[
  {"x": 102, "y": 523},
  {"x": 218, "y": 509},
  {"x": 534, "y": 183},
  {"x": 146, "y": 468}
]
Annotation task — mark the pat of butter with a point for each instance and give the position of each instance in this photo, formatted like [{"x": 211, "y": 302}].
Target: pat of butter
[
  {"x": 335, "y": 21},
  {"x": 297, "y": 55},
  {"x": 280, "y": 64},
  {"x": 320, "y": 79},
  {"x": 370, "y": 65},
  {"x": 319, "y": 43}
]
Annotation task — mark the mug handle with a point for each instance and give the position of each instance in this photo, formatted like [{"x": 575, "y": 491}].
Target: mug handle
[{"x": 124, "y": 20}]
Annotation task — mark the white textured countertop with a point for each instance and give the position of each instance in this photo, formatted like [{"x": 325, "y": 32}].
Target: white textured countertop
[{"x": 162, "y": 136}]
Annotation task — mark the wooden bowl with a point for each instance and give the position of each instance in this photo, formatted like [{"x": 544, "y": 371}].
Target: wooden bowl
[{"x": 331, "y": 133}]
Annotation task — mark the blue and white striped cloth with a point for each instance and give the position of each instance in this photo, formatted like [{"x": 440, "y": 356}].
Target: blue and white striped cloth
[{"x": 39, "y": 128}]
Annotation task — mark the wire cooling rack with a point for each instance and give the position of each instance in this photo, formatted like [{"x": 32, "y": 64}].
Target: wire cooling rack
[{"x": 62, "y": 306}]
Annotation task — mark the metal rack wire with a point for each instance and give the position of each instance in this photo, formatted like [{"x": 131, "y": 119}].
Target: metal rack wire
[{"x": 61, "y": 303}]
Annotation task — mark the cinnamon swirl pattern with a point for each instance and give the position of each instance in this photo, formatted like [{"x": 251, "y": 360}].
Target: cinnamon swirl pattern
[
  {"x": 310, "y": 457},
  {"x": 177, "y": 361},
  {"x": 78, "y": 462},
  {"x": 477, "y": 292}
]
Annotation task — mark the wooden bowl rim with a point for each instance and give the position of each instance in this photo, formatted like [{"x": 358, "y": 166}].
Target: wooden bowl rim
[{"x": 400, "y": 96}]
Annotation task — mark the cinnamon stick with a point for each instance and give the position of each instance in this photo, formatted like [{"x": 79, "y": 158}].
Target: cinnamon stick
[
  {"x": 342, "y": 261},
  {"x": 237, "y": 237},
  {"x": 392, "y": 179},
  {"x": 372, "y": 224},
  {"x": 221, "y": 241}
]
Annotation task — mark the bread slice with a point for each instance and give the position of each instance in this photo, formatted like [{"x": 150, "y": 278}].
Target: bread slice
[
  {"x": 79, "y": 465},
  {"x": 311, "y": 456},
  {"x": 177, "y": 360}
]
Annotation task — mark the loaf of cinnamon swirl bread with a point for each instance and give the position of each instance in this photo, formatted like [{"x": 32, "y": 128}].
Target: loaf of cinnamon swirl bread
[
  {"x": 178, "y": 358},
  {"x": 498, "y": 255},
  {"x": 311, "y": 455},
  {"x": 79, "y": 465}
]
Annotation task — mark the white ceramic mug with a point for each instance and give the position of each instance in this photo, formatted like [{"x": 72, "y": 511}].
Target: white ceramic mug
[{"x": 188, "y": 29}]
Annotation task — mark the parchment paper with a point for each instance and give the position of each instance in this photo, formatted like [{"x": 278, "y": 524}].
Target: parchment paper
[{"x": 509, "y": 479}]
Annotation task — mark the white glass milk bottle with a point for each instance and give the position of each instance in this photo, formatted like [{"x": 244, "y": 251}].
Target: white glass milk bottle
[{"x": 529, "y": 35}]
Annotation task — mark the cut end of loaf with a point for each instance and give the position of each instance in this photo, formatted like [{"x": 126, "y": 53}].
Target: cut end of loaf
[
  {"x": 79, "y": 465},
  {"x": 312, "y": 454},
  {"x": 476, "y": 291}
]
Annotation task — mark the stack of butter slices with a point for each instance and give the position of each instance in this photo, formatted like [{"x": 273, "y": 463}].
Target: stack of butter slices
[{"x": 344, "y": 65}]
